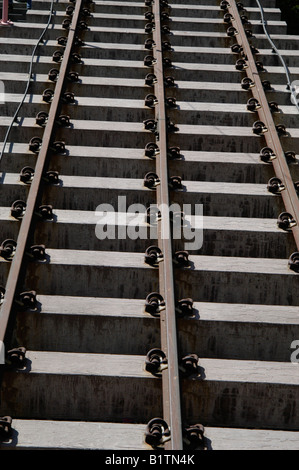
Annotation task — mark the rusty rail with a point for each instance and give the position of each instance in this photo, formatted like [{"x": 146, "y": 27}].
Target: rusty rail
[
  {"x": 280, "y": 165},
  {"x": 16, "y": 272},
  {"x": 4, "y": 20},
  {"x": 170, "y": 376}
]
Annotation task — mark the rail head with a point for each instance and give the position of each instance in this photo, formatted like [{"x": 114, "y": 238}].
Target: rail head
[{"x": 170, "y": 376}]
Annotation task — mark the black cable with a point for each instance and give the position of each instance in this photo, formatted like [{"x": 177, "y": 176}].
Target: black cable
[
  {"x": 274, "y": 48},
  {"x": 28, "y": 81}
]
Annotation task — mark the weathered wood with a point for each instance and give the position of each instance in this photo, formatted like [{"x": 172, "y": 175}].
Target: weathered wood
[{"x": 89, "y": 333}]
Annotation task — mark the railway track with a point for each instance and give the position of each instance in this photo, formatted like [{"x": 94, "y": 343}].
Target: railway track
[{"x": 116, "y": 333}]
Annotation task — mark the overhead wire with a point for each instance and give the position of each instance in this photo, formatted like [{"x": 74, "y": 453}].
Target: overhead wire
[
  {"x": 15, "y": 116},
  {"x": 290, "y": 85}
]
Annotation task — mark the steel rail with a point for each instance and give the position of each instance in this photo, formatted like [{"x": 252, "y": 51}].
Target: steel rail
[
  {"x": 16, "y": 268},
  {"x": 170, "y": 375},
  {"x": 280, "y": 165}
]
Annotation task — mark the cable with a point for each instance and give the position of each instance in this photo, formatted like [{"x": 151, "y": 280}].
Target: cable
[
  {"x": 28, "y": 81},
  {"x": 274, "y": 48}
]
